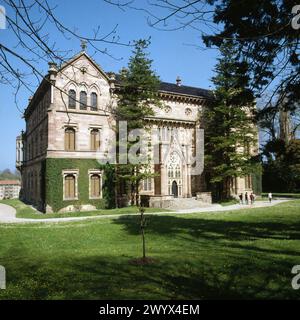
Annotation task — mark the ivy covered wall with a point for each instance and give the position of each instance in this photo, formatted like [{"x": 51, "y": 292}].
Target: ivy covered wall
[{"x": 54, "y": 183}]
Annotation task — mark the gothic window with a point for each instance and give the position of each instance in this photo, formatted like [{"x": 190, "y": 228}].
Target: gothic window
[
  {"x": 94, "y": 101},
  {"x": 72, "y": 99},
  {"x": 70, "y": 186},
  {"x": 174, "y": 173},
  {"x": 177, "y": 172},
  {"x": 69, "y": 139},
  {"x": 95, "y": 186},
  {"x": 95, "y": 139},
  {"x": 83, "y": 100}
]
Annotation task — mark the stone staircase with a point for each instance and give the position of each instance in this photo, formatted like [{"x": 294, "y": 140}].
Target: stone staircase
[{"x": 187, "y": 203}]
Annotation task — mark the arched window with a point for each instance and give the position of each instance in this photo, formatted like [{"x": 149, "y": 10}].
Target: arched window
[
  {"x": 69, "y": 139},
  {"x": 95, "y": 186},
  {"x": 72, "y": 99},
  {"x": 95, "y": 139},
  {"x": 70, "y": 186},
  {"x": 83, "y": 100},
  {"x": 94, "y": 101}
]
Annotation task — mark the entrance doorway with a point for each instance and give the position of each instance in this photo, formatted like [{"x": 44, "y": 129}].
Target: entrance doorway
[{"x": 175, "y": 189}]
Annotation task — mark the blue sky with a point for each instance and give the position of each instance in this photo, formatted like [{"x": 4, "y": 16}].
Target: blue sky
[{"x": 173, "y": 54}]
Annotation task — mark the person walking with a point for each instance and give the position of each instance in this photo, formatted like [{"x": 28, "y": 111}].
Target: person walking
[
  {"x": 241, "y": 198},
  {"x": 252, "y": 197},
  {"x": 270, "y": 197},
  {"x": 246, "y": 198}
]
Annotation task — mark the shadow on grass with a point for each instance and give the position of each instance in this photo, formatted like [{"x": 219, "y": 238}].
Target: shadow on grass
[
  {"x": 213, "y": 229},
  {"x": 196, "y": 259},
  {"x": 114, "y": 278}
]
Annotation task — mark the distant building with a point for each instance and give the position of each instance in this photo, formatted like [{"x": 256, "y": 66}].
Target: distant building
[{"x": 10, "y": 189}]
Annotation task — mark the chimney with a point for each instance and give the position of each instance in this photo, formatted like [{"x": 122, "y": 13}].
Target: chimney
[
  {"x": 178, "y": 81},
  {"x": 52, "y": 70},
  {"x": 112, "y": 80}
]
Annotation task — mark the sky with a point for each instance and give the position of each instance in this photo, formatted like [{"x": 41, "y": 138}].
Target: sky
[{"x": 174, "y": 53}]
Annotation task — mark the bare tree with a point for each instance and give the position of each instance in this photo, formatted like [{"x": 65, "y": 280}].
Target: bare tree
[
  {"x": 31, "y": 44},
  {"x": 262, "y": 30}
]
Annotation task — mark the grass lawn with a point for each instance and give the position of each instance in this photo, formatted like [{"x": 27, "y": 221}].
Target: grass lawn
[
  {"x": 25, "y": 211},
  {"x": 239, "y": 254}
]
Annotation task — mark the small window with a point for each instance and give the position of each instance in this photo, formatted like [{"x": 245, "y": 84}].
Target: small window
[
  {"x": 70, "y": 184},
  {"x": 94, "y": 101},
  {"x": 95, "y": 139},
  {"x": 83, "y": 100},
  {"x": 69, "y": 139},
  {"x": 72, "y": 99},
  {"x": 95, "y": 184}
]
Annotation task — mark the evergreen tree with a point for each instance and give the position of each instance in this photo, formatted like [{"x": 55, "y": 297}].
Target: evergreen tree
[
  {"x": 137, "y": 97},
  {"x": 109, "y": 186},
  {"x": 229, "y": 129}
]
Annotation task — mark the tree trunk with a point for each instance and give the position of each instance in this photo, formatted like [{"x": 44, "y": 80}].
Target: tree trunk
[{"x": 143, "y": 232}]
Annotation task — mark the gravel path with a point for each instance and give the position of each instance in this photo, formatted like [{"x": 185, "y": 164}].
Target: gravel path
[{"x": 8, "y": 213}]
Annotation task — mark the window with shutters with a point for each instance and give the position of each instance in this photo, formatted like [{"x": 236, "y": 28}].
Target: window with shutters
[
  {"x": 69, "y": 139},
  {"x": 95, "y": 185},
  {"x": 95, "y": 139},
  {"x": 70, "y": 186},
  {"x": 83, "y": 100},
  {"x": 72, "y": 99}
]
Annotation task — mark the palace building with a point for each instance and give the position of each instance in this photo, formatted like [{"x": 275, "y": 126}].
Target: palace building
[{"x": 69, "y": 122}]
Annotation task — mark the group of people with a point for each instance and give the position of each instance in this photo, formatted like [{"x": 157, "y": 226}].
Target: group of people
[
  {"x": 251, "y": 197},
  {"x": 248, "y": 198}
]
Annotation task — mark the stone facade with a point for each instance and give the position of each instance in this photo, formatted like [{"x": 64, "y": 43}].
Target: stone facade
[
  {"x": 80, "y": 97},
  {"x": 9, "y": 189}
]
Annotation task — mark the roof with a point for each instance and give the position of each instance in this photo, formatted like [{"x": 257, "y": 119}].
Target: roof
[
  {"x": 179, "y": 89},
  {"x": 186, "y": 90},
  {"x": 10, "y": 182}
]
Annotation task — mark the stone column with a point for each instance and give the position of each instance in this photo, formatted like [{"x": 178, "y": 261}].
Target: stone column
[
  {"x": 189, "y": 181},
  {"x": 163, "y": 180}
]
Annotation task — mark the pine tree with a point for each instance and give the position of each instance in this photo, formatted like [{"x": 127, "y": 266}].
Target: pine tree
[
  {"x": 137, "y": 97},
  {"x": 229, "y": 129}
]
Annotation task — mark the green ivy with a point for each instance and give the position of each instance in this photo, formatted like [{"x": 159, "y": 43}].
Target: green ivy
[{"x": 54, "y": 183}]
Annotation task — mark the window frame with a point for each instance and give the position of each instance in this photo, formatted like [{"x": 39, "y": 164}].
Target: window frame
[
  {"x": 65, "y": 174},
  {"x": 94, "y": 143},
  {"x": 94, "y": 107},
  {"x": 66, "y": 137},
  {"x": 83, "y": 104},
  {"x": 72, "y": 99},
  {"x": 91, "y": 173}
]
